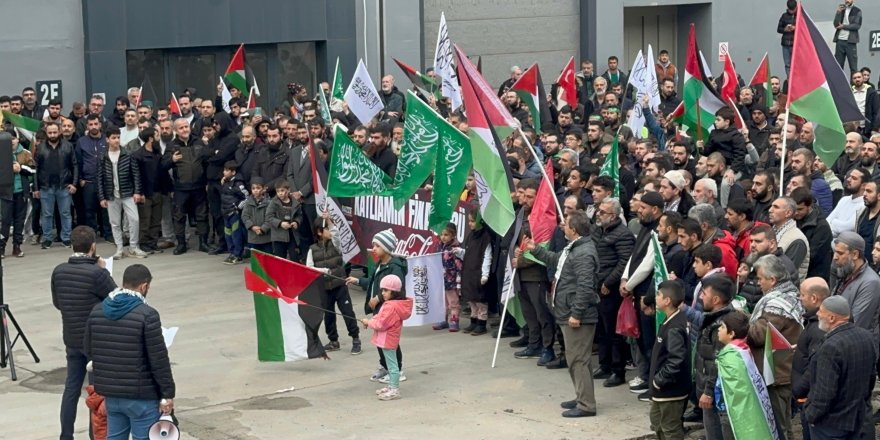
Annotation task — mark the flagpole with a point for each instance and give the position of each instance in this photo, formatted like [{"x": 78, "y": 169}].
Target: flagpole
[
  {"x": 503, "y": 313},
  {"x": 699, "y": 123},
  {"x": 543, "y": 173},
  {"x": 782, "y": 157}
]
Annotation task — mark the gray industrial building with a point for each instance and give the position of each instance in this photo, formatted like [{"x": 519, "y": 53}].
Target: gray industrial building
[{"x": 105, "y": 46}]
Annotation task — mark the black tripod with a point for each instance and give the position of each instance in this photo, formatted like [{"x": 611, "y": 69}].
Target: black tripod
[{"x": 6, "y": 343}]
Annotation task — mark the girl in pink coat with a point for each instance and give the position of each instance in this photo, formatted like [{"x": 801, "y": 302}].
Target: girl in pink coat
[{"x": 387, "y": 325}]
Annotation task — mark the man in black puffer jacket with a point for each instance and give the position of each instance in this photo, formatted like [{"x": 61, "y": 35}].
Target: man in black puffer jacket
[
  {"x": 123, "y": 338},
  {"x": 119, "y": 190},
  {"x": 77, "y": 286}
]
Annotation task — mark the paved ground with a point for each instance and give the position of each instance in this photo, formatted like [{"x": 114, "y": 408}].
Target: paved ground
[{"x": 225, "y": 393}]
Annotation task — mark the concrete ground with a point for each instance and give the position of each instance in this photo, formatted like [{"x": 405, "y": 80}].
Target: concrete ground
[{"x": 223, "y": 392}]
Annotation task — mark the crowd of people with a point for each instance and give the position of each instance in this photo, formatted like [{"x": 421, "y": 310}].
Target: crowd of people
[{"x": 750, "y": 239}]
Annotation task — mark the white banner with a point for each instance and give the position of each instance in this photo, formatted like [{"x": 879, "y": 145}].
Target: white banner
[
  {"x": 424, "y": 284},
  {"x": 361, "y": 96},
  {"x": 443, "y": 66},
  {"x": 653, "y": 84},
  {"x": 225, "y": 96},
  {"x": 638, "y": 79},
  {"x": 348, "y": 245}
]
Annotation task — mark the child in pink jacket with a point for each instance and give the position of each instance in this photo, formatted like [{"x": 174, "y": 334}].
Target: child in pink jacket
[{"x": 387, "y": 325}]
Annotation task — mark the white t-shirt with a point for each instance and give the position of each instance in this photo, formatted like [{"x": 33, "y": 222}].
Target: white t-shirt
[{"x": 114, "y": 159}]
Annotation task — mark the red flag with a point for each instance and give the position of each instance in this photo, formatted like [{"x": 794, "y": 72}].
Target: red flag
[
  {"x": 290, "y": 278},
  {"x": 777, "y": 340},
  {"x": 737, "y": 116},
  {"x": 731, "y": 81},
  {"x": 542, "y": 218},
  {"x": 252, "y": 100},
  {"x": 567, "y": 91},
  {"x": 173, "y": 105}
]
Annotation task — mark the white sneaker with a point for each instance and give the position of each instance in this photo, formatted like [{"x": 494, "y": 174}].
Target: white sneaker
[
  {"x": 136, "y": 252},
  {"x": 382, "y": 390},
  {"x": 636, "y": 382},
  {"x": 387, "y": 378},
  {"x": 379, "y": 374},
  {"x": 120, "y": 254},
  {"x": 391, "y": 394}
]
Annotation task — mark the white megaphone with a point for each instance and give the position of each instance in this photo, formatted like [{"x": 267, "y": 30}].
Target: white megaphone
[{"x": 164, "y": 429}]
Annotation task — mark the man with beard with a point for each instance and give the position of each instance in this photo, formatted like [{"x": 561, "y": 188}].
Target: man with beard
[
  {"x": 186, "y": 158},
  {"x": 746, "y": 104},
  {"x": 117, "y": 117},
  {"x": 379, "y": 152},
  {"x": 868, "y": 102},
  {"x": 675, "y": 256},
  {"x": 89, "y": 149},
  {"x": 55, "y": 184},
  {"x": 706, "y": 191},
  {"x": 96, "y": 107},
  {"x": 206, "y": 115},
  {"x": 705, "y": 214},
  {"x": 299, "y": 176},
  {"x": 271, "y": 161},
  {"x": 550, "y": 144},
  {"x": 851, "y": 157},
  {"x": 669, "y": 100},
  {"x": 807, "y": 135},
  {"x": 740, "y": 216},
  {"x": 29, "y": 104},
  {"x": 857, "y": 282},
  {"x": 595, "y": 137},
  {"x": 850, "y": 206},
  {"x": 613, "y": 74},
  {"x": 246, "y": 154},
  {"x": 223, "y": 148},
  {"x": 673, "y": 189},
  {"x": 68, "y": 131},
  {"x": 681, "y": 158},
  {"x": 53, "y": 111},
  {"x": 779, "y": 306},
  {"x": 565, "y": 121},
  {"x": 759, "y": 128},
  {"x": 637, "y": 279},
  {"x": 816, "y": 229},
  {"x": 812, "y": 292},
  {"x": 869, "y": 159},
  {"x": 611, "y": 118},
  {"x": 514, "y": 106},
  {"x": 166, "y": 135},
  {"x": 764, "y": 188},
  {"x": 186, "y": 112},
  {"x": 802, "y": 163},
  {"x": 614, "y": 244},
  {"x": 762, "y": 241},
  {"x": 867, "y": 225},
  {"x": 656, "y": 167},
  {"x": 155, "y": 184},
  {"x": 791, "y": 240},
  {"x": 392, "y": 100},
  {"x": 586, "y": 76}
]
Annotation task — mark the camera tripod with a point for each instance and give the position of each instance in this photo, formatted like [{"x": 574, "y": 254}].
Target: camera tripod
[{"x": 7, "y": 343}]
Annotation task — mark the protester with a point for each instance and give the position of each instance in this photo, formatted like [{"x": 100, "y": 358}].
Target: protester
[
  {"x": 716, "y": 295},
  {"x": 847, "y": 21},
  {"x": 123, "y": 338},
  {"x": 58, "y": 170},
  {"x": 77, "y": 286},
  {"x": 119, "y": 190},
  {"x": 14, "y": 209},
  {"x": 813, "y": 291}
]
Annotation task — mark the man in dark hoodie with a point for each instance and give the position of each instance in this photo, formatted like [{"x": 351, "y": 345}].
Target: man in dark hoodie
[
  {"x": 77, "y": 286},
  {"x": 123, "y": 338},
  {"x": 223, "y": 148},
  {"x": 384, "y": 245}
]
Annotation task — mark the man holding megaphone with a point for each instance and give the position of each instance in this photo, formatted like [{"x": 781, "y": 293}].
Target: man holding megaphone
[{"x": 131, "y": 369}]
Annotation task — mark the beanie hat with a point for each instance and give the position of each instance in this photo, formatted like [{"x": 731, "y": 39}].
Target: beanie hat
[
  {"x": 654, "y": 199},
  {"x": 837, "y": 305},
  {"x": 675, "y": 178},
  {"x": 386, "y": 240},
  {"x": 391, "y": 282},
  {"x": 852, "y": 240}
]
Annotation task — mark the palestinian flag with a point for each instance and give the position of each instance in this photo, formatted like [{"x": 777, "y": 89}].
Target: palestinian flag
[
  {"x": 611, "y": 167},
  {"x": 818, "y": 89},
  {"x": 26, "y": 126},
  {"x": 530, "y": 89},
  {"x": 173, "y": 105},
  {"x": 660, "y": 275},
  {"x": 773, "y": 340},
  {"x": 699, "y": 98},
  {"x": 496, "y": 113},
  {"x": 566, "y": 92},
  {"x": 542, "y": 218},
  {"x": 287, "y": 329},
  {"x": 761, "y": 80},
  {"x": 424, "y": 83},
  {"x": 491, "y": 173},
  {"x": 235, "y": 73},
  {"x": 745, "y": 394}
]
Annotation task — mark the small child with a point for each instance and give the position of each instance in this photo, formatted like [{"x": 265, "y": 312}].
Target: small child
[
  {"x": 233, "y": 196},
  {"x": 475, "y": 268},
  {"x": 253, "y": 215},
  {"x": 285, "y": 215},
  {"x": 452, "y": 254},
  {"x": 670, "y": 372},
  {"x": 325, "y": 255},
  {"x": 387, "y": 326}
]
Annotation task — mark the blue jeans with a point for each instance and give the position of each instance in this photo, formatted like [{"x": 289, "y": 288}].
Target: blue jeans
[
  {"x": 234, "y": 233},
  {"x": 76, "y": 374},
  {"x": 133, "y": 416},
  {"x": 829, "y": 433},
  {"x": 786, "y": 58},
  {"x": 48, "y": 198}
]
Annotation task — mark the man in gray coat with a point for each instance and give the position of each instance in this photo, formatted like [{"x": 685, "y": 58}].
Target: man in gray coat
[
  {"x": 575, "y": 304},
  {"x": 299, "y": 176},
  {"x": 857, "y": 282}
]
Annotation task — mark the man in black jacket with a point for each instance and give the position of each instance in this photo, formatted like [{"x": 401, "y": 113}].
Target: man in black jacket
[
  {"x": 123, "y": 338},
  {"x": 271, "y": 163},
  {"x": 186, "y": 157},
  {"x": 379, "y": 151},
  {"x": 670, "y": 375},
  {"x": 155, "y": 186},
  {"x": 614, "y": 244},
  {"x": 716, "y": 296},
  {"x": 246, "y": 154},
  {"x": 812, "y": 292},
  {"x": 223, "y": 148},
  {"x": 786, "y": 28},
  {"x": 811, "y": 221},
  {"x": 77, "y": 286},
  {"x": 57, "y": 174}
]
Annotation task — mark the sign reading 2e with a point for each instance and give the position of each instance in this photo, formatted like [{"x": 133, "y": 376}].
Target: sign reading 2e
[{"x": 874, "y": 41}]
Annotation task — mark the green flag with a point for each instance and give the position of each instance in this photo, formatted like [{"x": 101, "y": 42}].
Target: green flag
[
  {"x": 421, "y": 135},
  {"x": 450, "y": 174},
  {"x": 26, "y": 126},
  {"x": 338, "y": 90},
  {"x": 660, "y": 274},
  {"x": 325, "y": 108},
  {"x": 611, "y": 167},
  {"x": 352, "y": 174},
  {"x": 745, "y": 394}
]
